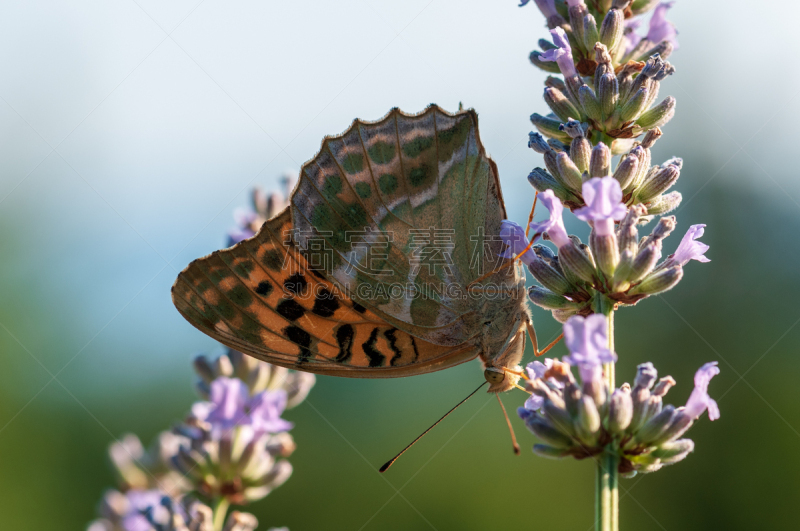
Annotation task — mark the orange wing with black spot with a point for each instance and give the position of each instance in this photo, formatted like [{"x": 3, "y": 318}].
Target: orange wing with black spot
[{"x": 261, "y": 297}]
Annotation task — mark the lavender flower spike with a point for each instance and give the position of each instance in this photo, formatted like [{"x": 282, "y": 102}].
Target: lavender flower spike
[
  {"x": 660, "y": 28},
  {"x": 690, "y": 248},
  {"x": 561, "y": 55},
  {"x": 587, "y": 341},
  {"x": 699, "y": 400},
  {"x": 554, "y": 225},
  {"x": 604, "y": 206},
  {"x": 514, "y": 237}
]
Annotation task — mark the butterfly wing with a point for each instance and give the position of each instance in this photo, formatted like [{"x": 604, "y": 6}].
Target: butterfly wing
[
  {"x": 406, "y": 206},
  {"x": 365, "y": 273},
  {"x": 261, "y": 297}
]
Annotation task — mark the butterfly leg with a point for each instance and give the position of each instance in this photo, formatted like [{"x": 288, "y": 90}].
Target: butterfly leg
[{"x": 532, "y": 335}]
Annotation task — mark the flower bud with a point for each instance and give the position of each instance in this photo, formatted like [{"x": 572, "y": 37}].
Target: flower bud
[
  {"x": 620, "y": 410},
  {"x": 556, "y": 82},
  {"x": 606, "y": 253},
  {"x": 600, "y": 162},
  {"x": 541, "y": 181},
  {"x": 557, "y": 145},
  {"x": 559, "y": 417},
  {"x": 658, "y": 183},
  {"x": 663, "y": 228},
  {"x": 635, "y": 105},
  {"x": 537, "y": 143},
  {"x": 658, "y": 282},
  {"x": 650, "y": 137},
  {"x": 608, "y": 94},
  {"x": 644, "y": 262},
  {"x": 572, "y": 395},
  {"x": 570, "y": 173},
  {"x": 547, "y": 432},
  {"x": 589, "y": 103},
  {"x": 658, "y": 115},
  {"x": 577, "y": 260},
  {"x": 626, "y": 170},
  {"x": 590, "y": 33},
  {"x": 612, "y": 28},
  {"x": 588, "y": 422},
  {"x": 657, "y": 425},
  {"x": 668, "y": 452},
  {"x": 559, "y": 104},
  {"x": 580, "y": 152},
  {"x": 664, "y": 204},
  {"x": 546, "y": 125},
  {"x": 547, "y": 299},
  {"x": 680, "y": 423},
  {"x": 646, "y": 375},
  {"x": 542, "y": 450},
  {"x": 549, "y": 277}
]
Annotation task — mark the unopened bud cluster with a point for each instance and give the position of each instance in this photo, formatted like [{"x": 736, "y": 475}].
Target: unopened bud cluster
[
  {"x": 569, "y": 166},
  {"x": 617, "y": 106},
  {"x": 583, "y": 419}
]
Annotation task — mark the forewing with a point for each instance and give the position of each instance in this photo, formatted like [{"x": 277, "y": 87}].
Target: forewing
[{"x": 406, "y": 209}]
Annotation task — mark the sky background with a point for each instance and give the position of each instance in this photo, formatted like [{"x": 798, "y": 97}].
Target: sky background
[{"x": 129, "y": 131}]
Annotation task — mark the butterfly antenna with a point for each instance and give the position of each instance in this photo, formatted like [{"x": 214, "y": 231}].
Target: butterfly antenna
[
  {"x": 508, "y": 421},
  {"x": 391, "y": 461}
]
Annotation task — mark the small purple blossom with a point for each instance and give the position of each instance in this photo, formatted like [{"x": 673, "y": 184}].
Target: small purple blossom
[
  {"x": 554, "y": 225},
  {"x": 604, "y": 205},
  {"x": 630, "y": 38},
  {"x": 562, "y": 54},
  {"x": 231, "y": 406},
  {"x": 139, "y": 502},
  {"x": 514, "y": 237},
  {"x": 244, "y": 219},
  {"x": 537, "y": 370},
  {"x": 660, "y": 28},
  {"x": 699, "y": 400},
  {"x": 587, "y": 341},
  {"x": 690, "y": 248}
]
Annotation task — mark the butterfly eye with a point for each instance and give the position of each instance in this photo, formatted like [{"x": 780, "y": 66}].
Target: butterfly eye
[{"x": 493, "y": 376}]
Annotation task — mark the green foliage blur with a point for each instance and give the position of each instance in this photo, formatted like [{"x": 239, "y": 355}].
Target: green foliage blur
[{"x": 91, "y": 347}]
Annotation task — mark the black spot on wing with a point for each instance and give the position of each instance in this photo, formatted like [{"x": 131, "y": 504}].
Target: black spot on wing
[
  {"x": 357, "y": 307},
  {"x": 302, "y": 339},
  {"x": 264, "y": 288},
  {"x": 325, "y": 304},
  {"x": 376, "y": 359},
  {"x": 290, "y": 309},
  {"x": 344, "y": 338},
  {"x": 296, "y": 284},
  {"x": 390, "y": 335},
  {"x": 416, "y": 352}
]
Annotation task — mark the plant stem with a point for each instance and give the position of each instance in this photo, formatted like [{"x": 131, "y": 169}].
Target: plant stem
[
  {"x": 220, "y": 508},
  {"x": 607, "y": 476}
]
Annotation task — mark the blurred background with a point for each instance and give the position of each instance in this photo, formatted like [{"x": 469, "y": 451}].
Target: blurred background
[{"x": 129, "y": 132}]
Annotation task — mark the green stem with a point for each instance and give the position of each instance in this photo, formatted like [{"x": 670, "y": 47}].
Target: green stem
[
  {"x": 220, "y": 508},
  {"x": 607, "y": 477}
]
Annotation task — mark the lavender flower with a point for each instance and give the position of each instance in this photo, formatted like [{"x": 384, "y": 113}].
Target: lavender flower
[
  {"x": 514, "y": 237},
  {"x": 660, "y": 28},
  {"x": 554, "y": 225},
  {"x": 231, "y": 405},
  {"x": 264, "y": 206},
  {"x": 587, "y": 341},
  {"x": 699, "y": 400},
  {"x": 537, "y": 370},
  {"x": 604, "y": 205},
  {"x": 562, "y": 54},
  {"x": 690, "y": 248},
  {"x": 131, "y": 511},
  {"x": 547, "y": 7}
]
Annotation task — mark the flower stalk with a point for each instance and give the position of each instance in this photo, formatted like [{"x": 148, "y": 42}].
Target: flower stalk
[{"x": 607, "y": 470}]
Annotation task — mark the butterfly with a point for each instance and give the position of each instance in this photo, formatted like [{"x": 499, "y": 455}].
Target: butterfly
[{"x": 381, "y": 266}]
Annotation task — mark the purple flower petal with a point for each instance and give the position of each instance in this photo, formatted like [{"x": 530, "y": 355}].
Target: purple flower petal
[
  {"x": 562, "y": 54},
  {"x": 587, "y": 341},
  {"x": 690, "y": 248},
  {"x": 699, "y": 400},
  {"x": 603, "y": 197},
  {"x": 554, "y": 225},
  {"x": 660, "y": 28},
  {"x": 514, "y": 237}
]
